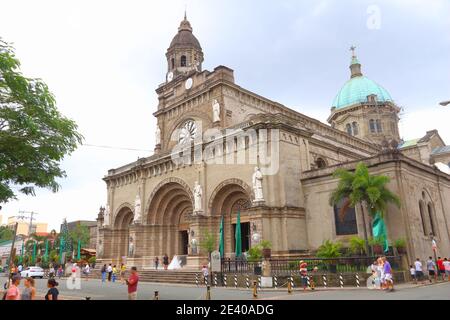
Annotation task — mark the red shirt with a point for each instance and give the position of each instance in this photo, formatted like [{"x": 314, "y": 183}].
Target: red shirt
[
  {"x": 440, "y": 264},
  {"x": 132, "y": 283}
]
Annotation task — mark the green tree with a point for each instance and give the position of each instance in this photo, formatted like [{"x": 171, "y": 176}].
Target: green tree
[
  {"x": 80, "y": 233},
  {"x": 208, "y": 242},
  {"x": 362, "y": 188},
  {"x": 329, "y": 249},
  {"x": 6, "y": 233},
  {"x": 34, "y": 136}
]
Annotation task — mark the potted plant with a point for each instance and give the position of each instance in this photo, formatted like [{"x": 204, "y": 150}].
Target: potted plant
[
  {"x": 266, "y": 246},
  {"x": 400, "y": 244},
  {"x": 377, "y": 245},
  {"x": 254, "y": 256},
  {"x": 330, "y": 250},
  {"x": 357, "y": 246}
]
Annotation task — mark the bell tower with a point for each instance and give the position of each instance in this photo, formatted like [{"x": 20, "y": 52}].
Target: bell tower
[{"x": 184, "y": 53}]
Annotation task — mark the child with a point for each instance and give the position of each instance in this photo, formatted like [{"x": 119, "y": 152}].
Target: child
[
  {"x": 304, "y": 274},
  {"x": 412, "y": 272}
]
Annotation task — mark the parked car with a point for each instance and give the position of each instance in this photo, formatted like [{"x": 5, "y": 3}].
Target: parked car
[{"x": 34, "y": 272}]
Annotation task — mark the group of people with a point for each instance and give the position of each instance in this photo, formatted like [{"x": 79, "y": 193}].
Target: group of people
[
  {"x": 382, "y": 274},
  {"x": 112, "y": 272},
  {"x": 165, "y": 262},
  {"x": 13, "y": 292},
  {"x": 440, "y": 268}
]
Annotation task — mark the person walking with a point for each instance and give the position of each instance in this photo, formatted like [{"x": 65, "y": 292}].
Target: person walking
[
  {"x": 388, "y": 282},
  {"x": 13, "y": 292},
  {"x": 52, "y": 293},
  {"x": 303, "y": 269},
  {"x": 156, "y": 263},
  {"x": 431, "y": 267},
  {"x": 412, "y": 272},
  {"x": 109, "y": 270},
  {"x": 132, "y": 284},
  {"x": 123, "y": 268},
  {"x": 103, "y": 272},
  {"x": 114, "y": 273},
  {"x": 87, "y": 271},
  {"x": 29, "y": 293},
  {"x": 441, "y": 268},
  {"x": 446, "y": 264},
  {"x": 60, "y": 271},
  {"x": 205, "y": 273},
  {"x": 165, "y": 261},
  {"x": 419, "y": 270}
]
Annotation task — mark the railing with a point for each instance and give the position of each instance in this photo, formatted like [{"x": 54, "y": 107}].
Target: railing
[{"x": 328, "y": 265}]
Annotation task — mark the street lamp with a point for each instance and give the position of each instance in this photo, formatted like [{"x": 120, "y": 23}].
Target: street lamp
[{"x": 445, "y": 103}]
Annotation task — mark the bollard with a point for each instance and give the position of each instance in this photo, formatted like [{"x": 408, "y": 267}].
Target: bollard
[
  {"x": 208, "y": 292},
  {"x": 259, "y": 282},
  {"x": 215, "y": 280},
  {"x": 275, "y": 281},
  {"x": 156, "y": 296},
  {"x": 247, "y": 281},
  {"x": 224, "y": 279},
  {"x": 308, "y": 282},
  {"x": 292, "y": 282},
  {"x": 289, "y": 285},
  {"x": 324, "y": 278},
  {"x": 255, "y": 289},
  {"x": 87, "y": 298},
  {"x": 341, "y": 280},
  {"x": 235, "y": 280},
  {"x": 357, "y": 280},
  {"x": 205, "y": 279},
  {"x": 196, "y": 279}
]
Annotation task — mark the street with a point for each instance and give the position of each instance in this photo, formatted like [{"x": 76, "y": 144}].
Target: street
[{"x": 97, "y": 290}]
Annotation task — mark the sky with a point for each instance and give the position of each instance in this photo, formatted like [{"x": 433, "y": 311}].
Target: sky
[{"x": 103, "y": 61}]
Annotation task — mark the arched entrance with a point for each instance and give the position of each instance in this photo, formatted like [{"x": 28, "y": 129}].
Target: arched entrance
[
  {"x": 227, "y": 199},
  {"x": 124, "y": 219},
  {"x": 169, "y": 207}
]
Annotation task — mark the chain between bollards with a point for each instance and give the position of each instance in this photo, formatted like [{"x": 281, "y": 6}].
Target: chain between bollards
[
  {"x": 255, "y": 289},
  {"x": 156, "y": 296}
]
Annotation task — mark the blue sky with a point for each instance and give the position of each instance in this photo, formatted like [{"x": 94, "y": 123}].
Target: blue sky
[{"x": 104, "y": 59}]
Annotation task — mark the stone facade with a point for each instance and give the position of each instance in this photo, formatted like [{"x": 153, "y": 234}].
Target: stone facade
[{"x": 150, "y": 202}]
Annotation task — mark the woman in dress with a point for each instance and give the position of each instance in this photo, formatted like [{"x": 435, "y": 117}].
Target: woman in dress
[
  {"x": 165, "y": 261},
  {"x": 29, "y": 293},
  {"x": 52, "y": 293}
]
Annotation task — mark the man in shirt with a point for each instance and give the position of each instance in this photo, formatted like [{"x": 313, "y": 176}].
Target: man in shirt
[
  {"x": 387, "y": 281},
  {"x": 109, "y": 270},
  {"x": 441, "y": 268},
  {"x": 132, "y": 284},
  {"x": 446, "y": 264},
  {"x": 431, "y": 267},
  {"x": 419, "y": 271},
  {"x": 13, "y": 292}
]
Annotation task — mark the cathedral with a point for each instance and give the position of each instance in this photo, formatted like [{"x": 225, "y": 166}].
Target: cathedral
[{"x": 222, "y": 150}]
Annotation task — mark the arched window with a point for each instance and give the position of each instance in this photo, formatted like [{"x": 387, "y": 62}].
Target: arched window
[
  {"x": 355, "y": 128},
  {"x": 422, "y": 217},
  {"x": 183, "y": 61},
  {"x": 347, "y": 225},
  {"x": 379, "y": 129},
  {"x": 348, "y": 127},
  {"x": 173, "y": 63},
  {"x": 430, "y": 214},
  {"x": 320, "y": 163},
  {"x": 372, "y": 126}
]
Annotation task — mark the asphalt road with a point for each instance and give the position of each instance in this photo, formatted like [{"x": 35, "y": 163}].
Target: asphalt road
[{"x": 115, "y": 291}]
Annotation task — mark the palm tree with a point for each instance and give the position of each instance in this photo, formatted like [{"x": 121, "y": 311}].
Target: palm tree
[{"x": 362, "y": 188}]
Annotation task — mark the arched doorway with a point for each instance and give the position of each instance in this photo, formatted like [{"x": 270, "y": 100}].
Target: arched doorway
[
  {"x": 124, "y": 219},
  {"x": 169, "y": 207},
  {"x": 229, "y": 198}
]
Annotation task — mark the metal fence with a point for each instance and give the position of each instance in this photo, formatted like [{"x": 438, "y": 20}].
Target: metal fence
[{"x": 288, "y": 266}]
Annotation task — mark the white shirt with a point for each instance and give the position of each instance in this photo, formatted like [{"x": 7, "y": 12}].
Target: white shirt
[
  {"x": 446, "y": 265},
  {"x": 412, "y": 271},
  {"x": 418, "y": 265},
  {"x": 109, "y": 269}
]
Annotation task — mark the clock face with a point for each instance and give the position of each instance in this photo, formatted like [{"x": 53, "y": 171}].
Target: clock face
[
  {"x": 187, "y": 132},
  {"x": 188, "y": 84},
  {"x": 169, "y": 76}
]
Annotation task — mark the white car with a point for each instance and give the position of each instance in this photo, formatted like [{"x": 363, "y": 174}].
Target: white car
[{"x": 34, "y": 272}]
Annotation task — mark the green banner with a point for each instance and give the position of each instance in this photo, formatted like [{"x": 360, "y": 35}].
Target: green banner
[
  {"x": 222, "y": 239},
  {"x": 238, "y": 236},
  {"x": 379, "y": 231}
]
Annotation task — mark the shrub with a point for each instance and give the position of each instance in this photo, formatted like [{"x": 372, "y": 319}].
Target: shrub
[
  {"x": 254, "y": 253},
  {"x": 329, "y": 249},
  {"x": 400, "y": 243},
  {"x": 357, "y": 245}
]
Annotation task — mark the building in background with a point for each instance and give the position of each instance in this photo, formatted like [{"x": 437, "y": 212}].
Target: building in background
[
  {"x": 72, "y": 225},
  {"x": 23, "y": 226}
]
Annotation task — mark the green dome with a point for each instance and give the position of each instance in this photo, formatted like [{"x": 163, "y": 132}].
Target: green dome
[{"x": 356, "y": 91}]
